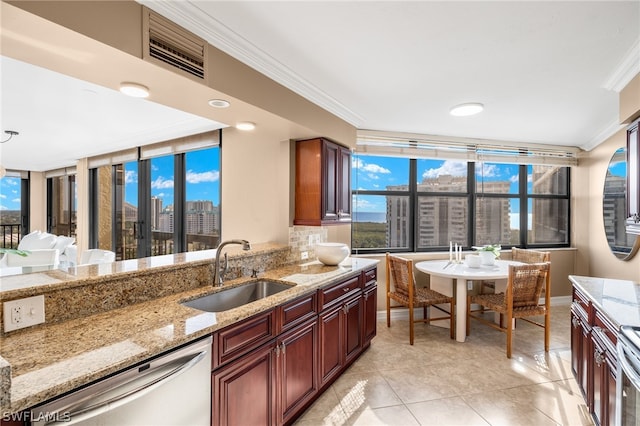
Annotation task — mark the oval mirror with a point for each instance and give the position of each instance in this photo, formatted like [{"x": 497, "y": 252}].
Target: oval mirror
[{"x": 614, "y": 208}]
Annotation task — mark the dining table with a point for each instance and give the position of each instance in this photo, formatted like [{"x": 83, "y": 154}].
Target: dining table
[{"x": 460, "y": 274}]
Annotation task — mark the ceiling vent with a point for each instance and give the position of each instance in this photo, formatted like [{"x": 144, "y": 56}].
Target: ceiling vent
[{"x": 172, "y": 45}]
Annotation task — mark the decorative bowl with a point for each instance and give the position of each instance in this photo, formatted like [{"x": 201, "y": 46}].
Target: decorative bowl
[
  {"x": 472, "y": 261},
  {"x": 331, "y": 253}
]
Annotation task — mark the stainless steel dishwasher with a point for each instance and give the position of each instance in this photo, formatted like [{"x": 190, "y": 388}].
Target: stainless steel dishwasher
[{"x": 172, "y": 389}]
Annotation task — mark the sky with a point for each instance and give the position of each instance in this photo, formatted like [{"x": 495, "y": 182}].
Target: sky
[
  {"x": 10, "y": 193},
  {"x": 203, "y": 175},
  {"x": 377, "y": 173}
]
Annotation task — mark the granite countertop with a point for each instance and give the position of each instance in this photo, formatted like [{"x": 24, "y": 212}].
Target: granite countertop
[
  {"x": 619, "y": 300},
  {"x": 47, "y": 361}
]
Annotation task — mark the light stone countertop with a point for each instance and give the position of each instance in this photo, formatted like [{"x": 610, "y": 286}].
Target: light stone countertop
[
  {"x": 619, "y": 300},
  {"x": 50, "y": 360}
]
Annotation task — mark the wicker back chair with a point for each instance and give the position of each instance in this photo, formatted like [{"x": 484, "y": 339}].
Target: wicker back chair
[
  {"x": 521, "y": 300},
  {"x": 406, "y": 294},
  {"x": 519, "y": 255}
]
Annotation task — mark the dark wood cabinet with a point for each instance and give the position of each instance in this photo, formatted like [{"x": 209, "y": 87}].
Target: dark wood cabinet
[
  {"x": 244, "y": 391},
  {"x": 593, "y": 358},
  {"x": 297, "y": 353},
  {"x": 633, "y": 169},
  {"x": 322, "y": 183},
  {"x": 268, "y": 368}
]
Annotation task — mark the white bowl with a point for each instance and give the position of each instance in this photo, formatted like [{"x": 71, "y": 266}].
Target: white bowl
[
  {"x": 331, "y": 253},
  {"x": 472, "y": 261}
]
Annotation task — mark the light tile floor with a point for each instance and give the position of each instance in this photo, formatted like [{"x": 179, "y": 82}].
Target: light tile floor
[{"x": 439, "y": 381}]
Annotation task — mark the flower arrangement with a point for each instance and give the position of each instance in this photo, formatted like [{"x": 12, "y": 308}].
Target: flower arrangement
[{"x": 493, "y": 248}]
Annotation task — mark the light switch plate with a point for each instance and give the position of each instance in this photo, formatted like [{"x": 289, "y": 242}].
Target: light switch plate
[{"x": 23, "y": 313}]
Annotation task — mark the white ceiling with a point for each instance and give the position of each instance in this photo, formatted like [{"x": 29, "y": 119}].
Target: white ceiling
[{"x": 547, "y": 72}]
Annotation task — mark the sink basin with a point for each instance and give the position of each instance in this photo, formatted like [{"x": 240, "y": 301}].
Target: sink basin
[{"x": 236, "y": 296}]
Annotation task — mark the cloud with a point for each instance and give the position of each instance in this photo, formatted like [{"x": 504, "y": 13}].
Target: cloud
[
  {"x": 16, "y": 200},
  {"x": 211, "y": 176},
  {"x": 368, "y": 167},
  {"x": 3, "y": 196},
  {"x": 449, "y": 167},
  {"x": 3, "y": 207},
  {"x": 488, "y": 170},
  {"x": 513, "y": 178},
  {"x": 130, "y": 176},
  {"x": 162, "y": 183}
]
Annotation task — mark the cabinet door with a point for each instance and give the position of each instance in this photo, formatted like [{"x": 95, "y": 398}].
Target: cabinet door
[
  {"x": 599, "y": 387},
  {"x": 611, "y": 391},
  {"x": 576, "y": 349},
  {"x": 353, "y": 328},
  {"x": 298, "y": 366},
  {"x": 344, "y": 185},
  {"x": 370, "y": 298},
  {"x": 244, "y": 390},
  {"x": 331, "y": 343},
  {"x": 330, "y": 159}
]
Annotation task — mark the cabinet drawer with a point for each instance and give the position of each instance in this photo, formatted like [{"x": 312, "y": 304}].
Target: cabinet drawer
[
  {"x": 238, "y": 339},
  {"x": 370, "y": 277},
  {"x": 608, "y": 330},
  {"x": 580, "y": 301},
  {"x": 337, "y": 292},
  {"x": 297, "y": 311}
]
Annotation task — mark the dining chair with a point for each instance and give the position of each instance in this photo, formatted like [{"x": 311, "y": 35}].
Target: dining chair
[
  {"x": 519, "y": 255},
  {"x": 520, "y": 300},
  {"x": 406, "y": 294}
]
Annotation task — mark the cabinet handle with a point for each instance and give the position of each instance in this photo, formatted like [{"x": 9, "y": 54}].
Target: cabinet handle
[
  {"x": 366, "y": 297},
  {"x": 345, "y": 309},
  {"x": 284, "y": 348},
  {"x": 575, "y": 321},
  {"x": 277, "y": 350},
  {"x": 598, "y": 357},
  {"x": 346, "y": 289}
]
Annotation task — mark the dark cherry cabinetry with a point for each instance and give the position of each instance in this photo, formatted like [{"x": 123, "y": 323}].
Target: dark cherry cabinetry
[
  {"x": 268, "y": 368},
  {"x": 322, "y": 183},
  {"x": 593, "y": 358}
]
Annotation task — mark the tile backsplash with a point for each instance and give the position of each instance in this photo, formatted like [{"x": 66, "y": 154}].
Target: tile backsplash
[{"x": 303, "y": 239}]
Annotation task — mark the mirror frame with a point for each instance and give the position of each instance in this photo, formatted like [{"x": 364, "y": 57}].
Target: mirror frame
[{"x": 619, "y": 156}]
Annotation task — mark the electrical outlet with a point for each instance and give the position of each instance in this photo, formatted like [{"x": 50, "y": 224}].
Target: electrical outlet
[
  {"x": 469, "y": 285},
  {"x": 23, "y": 313},
  {"x": 304, "y": 255}
]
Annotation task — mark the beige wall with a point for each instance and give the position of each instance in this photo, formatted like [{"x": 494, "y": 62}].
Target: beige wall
[{"x": 594, "y": 257}]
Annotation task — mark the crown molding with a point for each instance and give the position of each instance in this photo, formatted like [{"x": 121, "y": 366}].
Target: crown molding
[
  {"x": 626, "y": 70},
  {"x": 605, "y": 134},
  {"x": 194, "y": 19}
]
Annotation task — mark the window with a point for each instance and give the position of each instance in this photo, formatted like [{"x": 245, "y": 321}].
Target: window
[
  {"x": 62, "y": 201},
  {"x": 158, "y": 204},
  {"x": 403, "y": 204},
  {"x": 14, "y": 208}
]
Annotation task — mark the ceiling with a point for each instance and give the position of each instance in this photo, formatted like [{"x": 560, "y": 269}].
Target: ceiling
[{"x": 547, "y": 72}]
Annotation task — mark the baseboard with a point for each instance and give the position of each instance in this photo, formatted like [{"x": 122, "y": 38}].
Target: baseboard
[{"x": 403, "y": 313}]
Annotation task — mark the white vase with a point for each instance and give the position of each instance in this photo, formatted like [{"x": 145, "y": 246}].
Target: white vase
[{"x": 487, "y": 258}]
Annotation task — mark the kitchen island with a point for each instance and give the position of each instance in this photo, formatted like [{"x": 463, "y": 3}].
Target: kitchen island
[{"x": 43, "y": 362}]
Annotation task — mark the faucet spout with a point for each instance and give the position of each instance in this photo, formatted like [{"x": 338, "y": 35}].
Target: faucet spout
[{"x": 218, "y": 271}]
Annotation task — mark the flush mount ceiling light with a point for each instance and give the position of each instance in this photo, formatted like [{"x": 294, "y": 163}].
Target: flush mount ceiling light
[
  {"x": 219, "y": 103},
  {"x": 245, "y": 125},
  {"x": 467, "y": 109},
  {"x": 134, "y": 90}
]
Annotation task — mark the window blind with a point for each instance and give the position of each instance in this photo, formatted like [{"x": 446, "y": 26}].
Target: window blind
[
  {"x": 173, "y": 146},
  {"x": 465, "y": 149}
]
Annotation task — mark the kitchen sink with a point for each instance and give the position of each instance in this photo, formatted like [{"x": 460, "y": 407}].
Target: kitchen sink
[{"x": 234, "y": 297}]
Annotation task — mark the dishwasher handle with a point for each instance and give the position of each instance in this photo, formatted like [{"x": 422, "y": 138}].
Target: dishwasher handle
[{"x": 160, "y": 375}]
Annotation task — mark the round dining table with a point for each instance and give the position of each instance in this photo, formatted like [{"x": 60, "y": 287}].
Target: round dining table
[{"x": 460, "y": 274}]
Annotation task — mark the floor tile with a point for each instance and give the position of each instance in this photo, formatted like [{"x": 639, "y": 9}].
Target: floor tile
[{"x": 448, "y": 411}]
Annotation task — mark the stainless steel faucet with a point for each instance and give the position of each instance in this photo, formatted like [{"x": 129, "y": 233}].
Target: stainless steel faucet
[{"x": 218, "y": 272}]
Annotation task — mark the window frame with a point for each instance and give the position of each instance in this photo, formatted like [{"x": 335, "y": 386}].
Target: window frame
[{"x": 472, "y": 195}]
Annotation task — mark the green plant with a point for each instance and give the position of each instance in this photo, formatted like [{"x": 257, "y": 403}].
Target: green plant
[
  {"x": 493, "y": 248},
  {"x": 22, "y": 253}
]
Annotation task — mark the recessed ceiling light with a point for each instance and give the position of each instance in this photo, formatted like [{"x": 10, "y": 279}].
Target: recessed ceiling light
[
  {"x": 464, "y": 110},
  {"x": 134, "y": 90},
  {"x": 245, "y": 125},
  {"x": 219, "y": 103}
]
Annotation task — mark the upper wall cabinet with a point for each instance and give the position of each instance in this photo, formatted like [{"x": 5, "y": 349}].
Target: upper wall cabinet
[
  {"x": 633, "y": 178},
  {"x": 323, "y": 183}
]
